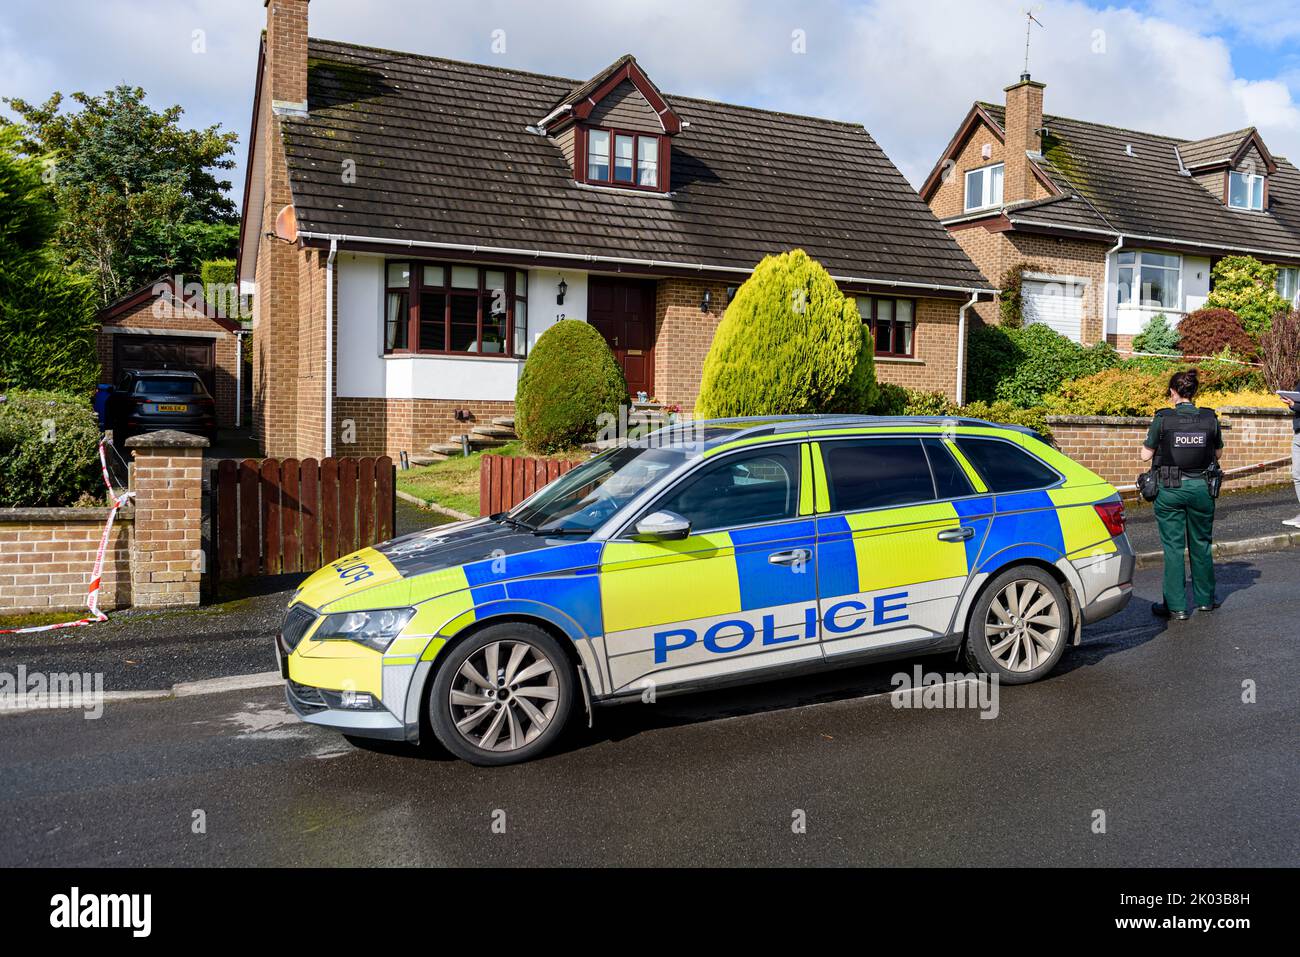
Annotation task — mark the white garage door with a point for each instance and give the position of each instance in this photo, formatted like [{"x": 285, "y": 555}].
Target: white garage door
[{"x": 1057, "y": 303}]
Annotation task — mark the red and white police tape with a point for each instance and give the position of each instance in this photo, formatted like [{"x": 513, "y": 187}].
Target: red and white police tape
[{"x": 97, "y": 573}]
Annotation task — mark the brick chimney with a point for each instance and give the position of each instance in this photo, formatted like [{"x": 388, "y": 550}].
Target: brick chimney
[
  {"x": 1024, "y": 120},
  {"x": 286, "y": 55}
]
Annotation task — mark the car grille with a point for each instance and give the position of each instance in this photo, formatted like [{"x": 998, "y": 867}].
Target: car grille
[
  {"x": 308, "y": 700},
  {"x": 297, "y": 622}
]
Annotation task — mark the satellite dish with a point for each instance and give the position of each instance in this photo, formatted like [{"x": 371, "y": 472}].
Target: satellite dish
[{"x": 286, "y": 224}]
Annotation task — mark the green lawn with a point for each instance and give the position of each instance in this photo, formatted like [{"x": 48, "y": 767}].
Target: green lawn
[{"x": 454, "y": 483}]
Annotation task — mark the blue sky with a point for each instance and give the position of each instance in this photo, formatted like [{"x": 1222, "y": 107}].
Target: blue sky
[{"x": 906, "y": 69}]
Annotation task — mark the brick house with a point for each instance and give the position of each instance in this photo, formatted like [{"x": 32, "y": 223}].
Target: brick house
[
  {"x": 1121, "y": 225},
  {"x": 412, "y": 225},
  {"x": 160, "y": 327}
]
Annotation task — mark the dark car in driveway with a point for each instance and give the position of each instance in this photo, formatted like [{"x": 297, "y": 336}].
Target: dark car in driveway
[{"x": 153, "y": 400}]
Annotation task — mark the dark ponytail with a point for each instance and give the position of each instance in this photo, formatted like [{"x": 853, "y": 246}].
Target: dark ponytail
[{"x": 1186, "y": 383}]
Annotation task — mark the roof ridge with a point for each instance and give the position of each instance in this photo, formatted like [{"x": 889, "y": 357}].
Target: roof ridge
[{"x": 673, "y": 97}]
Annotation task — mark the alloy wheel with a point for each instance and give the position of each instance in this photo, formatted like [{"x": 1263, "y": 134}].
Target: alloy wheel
[
  {"x": 504, "y": 695},
  {"x": 1023, "y": 626}
]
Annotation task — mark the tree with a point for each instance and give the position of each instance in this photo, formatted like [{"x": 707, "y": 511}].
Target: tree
[
  {"x": 137, "y": 191},
  {"x": 1157, "y": 337},
  {"x": 1247, "y": 287},
  {"x": 569, "y": 381},
  {"x": 790, "y": 342},
  {"x": 1280, "y": 351},
  {"x": 47, "y": 315},
  {"x": 1208, "y": 332}
]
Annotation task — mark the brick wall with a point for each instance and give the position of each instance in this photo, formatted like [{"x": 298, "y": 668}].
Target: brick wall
[
  {"x": 390, "y": 426},
  {"x": 50, "y": 554},
  {"x": 949, "y": 197},
  {"x": 167, "y": 552},
  {"x": 1111, "y": 446},
  {"x": 168, "y": 318},
  {"x": 995, "y": 252}
]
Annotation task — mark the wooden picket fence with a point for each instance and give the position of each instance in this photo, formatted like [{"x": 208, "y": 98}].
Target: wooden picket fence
[
  {"x": 280, "y": 516},
  {"x": 506, "y": 480}
]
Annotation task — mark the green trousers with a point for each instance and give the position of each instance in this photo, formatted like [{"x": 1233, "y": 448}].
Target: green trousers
[{"x": 1185, "y": 517}]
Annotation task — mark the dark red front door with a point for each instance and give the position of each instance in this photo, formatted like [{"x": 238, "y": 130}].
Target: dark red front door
[{"x": 623, "y": 311}]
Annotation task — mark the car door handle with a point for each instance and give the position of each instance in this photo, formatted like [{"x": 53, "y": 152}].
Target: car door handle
[
  {"x": 793, "y": 557},
  {"x": 957, "y": 534}
]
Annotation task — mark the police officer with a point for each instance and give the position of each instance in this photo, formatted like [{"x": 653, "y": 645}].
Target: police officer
[{"x": 1185, "y": 443}]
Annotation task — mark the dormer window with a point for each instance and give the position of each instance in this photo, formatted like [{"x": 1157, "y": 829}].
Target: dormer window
[
  {"x": 616, "y": 158},
  {"x": 1245, "y": 190},
  {"x": 984, "y": 187}
]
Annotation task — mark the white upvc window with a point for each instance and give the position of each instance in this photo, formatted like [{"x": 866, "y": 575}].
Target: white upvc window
[
  {"x": 984, "y": 187},
  {"x": 1245, "y": 190},
  {"x": 1150, "y": 279},
  {"x": 1288, "y": 283}
]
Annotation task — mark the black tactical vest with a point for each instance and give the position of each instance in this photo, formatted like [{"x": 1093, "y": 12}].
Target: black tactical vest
[{"x": 1187, "y": 440}]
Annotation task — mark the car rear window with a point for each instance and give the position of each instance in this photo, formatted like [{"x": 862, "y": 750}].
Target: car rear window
[
  {"x": 1006, "y": 467},
  {"x": 170, "y": 387},
  {"x": 877, "y": 473}
]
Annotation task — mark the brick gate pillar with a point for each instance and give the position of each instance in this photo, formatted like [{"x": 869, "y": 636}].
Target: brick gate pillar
[{"x": 167, "y": 554}]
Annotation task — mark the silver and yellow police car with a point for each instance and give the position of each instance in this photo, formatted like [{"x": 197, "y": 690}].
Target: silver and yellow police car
[{"x": 723, "y": 551}]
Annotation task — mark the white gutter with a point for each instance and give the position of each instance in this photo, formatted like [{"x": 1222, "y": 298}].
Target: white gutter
[
  {"x": 1167, "y": 240},
  {"x": 961, "y": 347},
  {"x": 329, "y": 347},
  {"x": 1105, "y": 287},
  {"x": 610, "y": 260}
]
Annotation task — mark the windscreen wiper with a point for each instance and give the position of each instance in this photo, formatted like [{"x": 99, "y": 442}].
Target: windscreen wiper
[
  {"x": 556, "y": 532},
  {"x": 503, "y": 519}
]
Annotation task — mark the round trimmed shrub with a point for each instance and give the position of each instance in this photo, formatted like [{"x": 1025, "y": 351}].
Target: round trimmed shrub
[
  {"x": 48, "y": 450},
  {"x": 790, "y": 343},
  {"x": 1207, "y": 332},
  {"x": 570, "y": 379}
]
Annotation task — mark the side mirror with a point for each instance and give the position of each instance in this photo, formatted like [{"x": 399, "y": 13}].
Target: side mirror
[{"x": 662, "y": 527}]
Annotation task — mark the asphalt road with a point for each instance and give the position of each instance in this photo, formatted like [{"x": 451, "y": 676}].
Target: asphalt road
[{"x": 1144, "y": 722}]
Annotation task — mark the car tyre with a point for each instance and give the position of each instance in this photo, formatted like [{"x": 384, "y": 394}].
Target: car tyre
[
  {"x": 1019, "y": 626},
  {"x": 501, "y": 696}
]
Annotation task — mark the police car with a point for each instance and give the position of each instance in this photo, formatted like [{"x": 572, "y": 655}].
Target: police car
[{"x": 725, "y": 551}]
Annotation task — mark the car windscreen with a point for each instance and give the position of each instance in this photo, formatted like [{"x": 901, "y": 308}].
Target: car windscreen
[
  {"x": 161, "y": 386},
  {"x": 587, "y": 497}
]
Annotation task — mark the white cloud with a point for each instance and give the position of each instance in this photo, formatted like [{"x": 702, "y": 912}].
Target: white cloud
[{"x": 906, "y": 69}]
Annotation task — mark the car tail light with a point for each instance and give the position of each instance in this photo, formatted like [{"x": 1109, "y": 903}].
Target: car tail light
[{"x": 1112, "y": 516}]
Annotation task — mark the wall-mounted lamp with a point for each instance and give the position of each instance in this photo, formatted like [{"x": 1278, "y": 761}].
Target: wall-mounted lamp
[
  {"x": 704, "y": 303},
  {"x": 731, "y": 293},
  {"x": 562, "y": 289}
]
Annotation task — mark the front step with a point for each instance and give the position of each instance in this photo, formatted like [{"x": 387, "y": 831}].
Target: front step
[
  {"x": 493, "y": 431},
  {"x": 505, "y": 422}
]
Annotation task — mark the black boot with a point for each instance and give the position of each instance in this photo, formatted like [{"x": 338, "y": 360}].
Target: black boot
[{"x": 1162, "y": 611}]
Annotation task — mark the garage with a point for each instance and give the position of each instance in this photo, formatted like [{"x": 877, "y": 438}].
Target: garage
[
  {"x": 167, "y": 352},
  {"x": 1054, "y": 301},
  {"x": 157, "y": 328}
]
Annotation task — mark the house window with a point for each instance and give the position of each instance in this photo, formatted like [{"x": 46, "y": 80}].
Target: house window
[
  {"x": 1149, "y": 279},
  {"x": 1245, "y": 190},
  {"x": 984, "y": 187},
  {"x": 1288, "y": 283},
  {"x": 448, "y": 309},
  {"x": 626, "y": 159},
  {"x": 892, "y": 323}
]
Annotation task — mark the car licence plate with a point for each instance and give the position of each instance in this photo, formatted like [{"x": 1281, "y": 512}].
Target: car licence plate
[{"x": 173, "y": 408}]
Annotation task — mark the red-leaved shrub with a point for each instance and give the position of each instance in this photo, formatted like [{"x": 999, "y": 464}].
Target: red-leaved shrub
[{"x": 1207, "y": 331}]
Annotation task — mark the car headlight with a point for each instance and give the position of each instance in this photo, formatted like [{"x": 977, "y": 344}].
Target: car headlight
[{"x": 374, "y": 629}]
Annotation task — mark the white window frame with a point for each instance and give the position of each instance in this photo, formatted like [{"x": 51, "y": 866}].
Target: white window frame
[
  {"x": 1252, "y": 182},
  {"x": 985, "y": 174},
  {"x": 1294, "y": 273},
  {"x": 1137, "y": 268}
]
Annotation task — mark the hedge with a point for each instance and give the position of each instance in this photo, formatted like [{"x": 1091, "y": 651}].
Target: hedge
[
  {"x": 790, "y": 342},
  {"x": 1021, "y": 366},
  {"x": 898, "y": 401},
  {"x": 1141, "y": 387},
  {"x": 48, "y": 450},
  {"x": 570, "y": 379}
]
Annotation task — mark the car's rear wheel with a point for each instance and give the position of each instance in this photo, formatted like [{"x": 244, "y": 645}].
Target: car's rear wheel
[
  {"x": 1019, "y": 626},
  {"x": 501, "y": 696}
]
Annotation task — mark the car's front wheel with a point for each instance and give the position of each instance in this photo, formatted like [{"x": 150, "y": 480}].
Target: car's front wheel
[
  {"x": 501, "y": 696},
  {"x": 1019, "y": 626}
]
